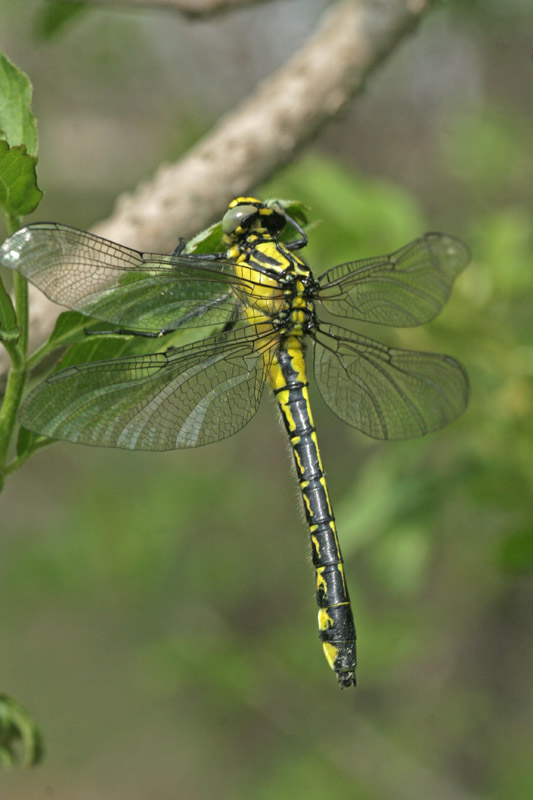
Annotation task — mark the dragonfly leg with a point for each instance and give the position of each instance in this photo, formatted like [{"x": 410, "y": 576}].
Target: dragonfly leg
[
  {"x": 129, "y": 332},
  {"x": 296, "y": 244},
  {"x": 178, "y": 250},
  {"x": 180, "y": 247}
]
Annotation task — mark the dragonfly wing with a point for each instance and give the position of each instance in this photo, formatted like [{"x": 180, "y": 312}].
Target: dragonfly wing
[
  {"x": 119, "y": 285},
  {"x": 387, "y": 393},
  {"x": 184, "y": 397},
  {"x": 408, "y": 287}
]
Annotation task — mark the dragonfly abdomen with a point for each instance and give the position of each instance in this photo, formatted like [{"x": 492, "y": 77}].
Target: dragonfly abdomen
[{"x": 335, "y": 620}]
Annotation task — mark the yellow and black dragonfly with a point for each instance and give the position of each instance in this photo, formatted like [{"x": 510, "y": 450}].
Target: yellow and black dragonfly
[{"x": 265, "y": 301}]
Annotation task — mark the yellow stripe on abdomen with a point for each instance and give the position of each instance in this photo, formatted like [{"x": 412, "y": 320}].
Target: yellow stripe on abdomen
[{"x": 288, "y": 379}]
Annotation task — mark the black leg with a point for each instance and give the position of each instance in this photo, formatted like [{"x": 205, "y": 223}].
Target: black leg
[
  {"x": 296, "y": 244},
  {"x": 128, "y": 332},
  {"x": 178, "y": 250}
]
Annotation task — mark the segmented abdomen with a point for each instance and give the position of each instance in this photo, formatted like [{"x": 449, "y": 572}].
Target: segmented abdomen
[{"x": 335, "y": 620}]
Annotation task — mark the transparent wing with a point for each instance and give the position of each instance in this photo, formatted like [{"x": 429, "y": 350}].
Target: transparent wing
[
  {"x": 122, "y": 286},
  {"x": 385, "y": 392},
  {"x": 184, "y": 397},
  {"x": 408, "y": 287}
]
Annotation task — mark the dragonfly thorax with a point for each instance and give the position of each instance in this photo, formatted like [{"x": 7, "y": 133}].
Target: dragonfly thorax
[{"x": 284, "y": 285}]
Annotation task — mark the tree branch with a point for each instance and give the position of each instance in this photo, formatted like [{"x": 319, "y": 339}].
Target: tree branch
[{"x": 250, "y": 143}]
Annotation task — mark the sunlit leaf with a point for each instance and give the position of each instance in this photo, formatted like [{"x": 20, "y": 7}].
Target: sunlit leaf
[
  {"x": 19, "y": 193},
  {"x": 17, "y": 123}
]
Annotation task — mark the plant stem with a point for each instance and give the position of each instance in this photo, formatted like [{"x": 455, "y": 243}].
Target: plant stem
[
  {"x": 17, "y": 349},
  {"x": 8, "y": 318},
  {"x": 20, "y": 285}
]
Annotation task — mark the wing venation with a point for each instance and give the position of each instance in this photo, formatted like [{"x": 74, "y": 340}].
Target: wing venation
[
  {"x": 407, "y": 287},
  {"x": 385, "y": 392},
  {"x": 184, "y": 397},
  {"x": 119, "y": 285}
]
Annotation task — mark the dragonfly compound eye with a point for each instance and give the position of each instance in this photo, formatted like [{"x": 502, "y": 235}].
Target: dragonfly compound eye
[{"x": 240, "y": 216}]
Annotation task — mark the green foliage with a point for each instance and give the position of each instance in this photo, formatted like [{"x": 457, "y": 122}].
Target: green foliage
[
  {"x": 20, "y": 739},
  {"x": 516, "y": 553},
  {"x": 19, "y": 193},
  {"x": 17, "y": 123},
  {"x": 491, "y": 155},
  {"x": 56, "y": 15}
]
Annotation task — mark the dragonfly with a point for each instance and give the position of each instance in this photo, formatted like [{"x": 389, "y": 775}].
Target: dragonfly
[{"x": 262, "y": 302}]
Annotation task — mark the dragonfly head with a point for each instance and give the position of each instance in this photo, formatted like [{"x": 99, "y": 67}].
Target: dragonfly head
[{"x": 247, "y": 215}]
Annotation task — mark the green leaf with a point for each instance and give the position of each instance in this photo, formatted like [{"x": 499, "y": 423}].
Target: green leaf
[
  {"x": 55, "y": 15},
  {"x": 19, "y": 193},
  {"x": 94, "y": 348},
  {"x": 516, "y": 553},
  {"x": 70, "y": 328},
  {"x": 20, "y": 738},
  {"x": 17, "y": 123},
  {"x": 25, "y": 440},
  {"x": 207, "y": 241}
]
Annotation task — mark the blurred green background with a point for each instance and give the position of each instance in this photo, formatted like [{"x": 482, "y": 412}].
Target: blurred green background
[{"x": 157, "y": 610}]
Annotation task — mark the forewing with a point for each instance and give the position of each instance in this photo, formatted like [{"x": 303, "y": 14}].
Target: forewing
[
  {"x": 408, "y": 287},
  {"x": 387, "y": 393},
  {"x": 184, "y": 397},
  {"x": 122, "y": 286}
]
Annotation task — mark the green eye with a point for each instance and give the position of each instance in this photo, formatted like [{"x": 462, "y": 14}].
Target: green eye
[{"x": 236, "y": 216}]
